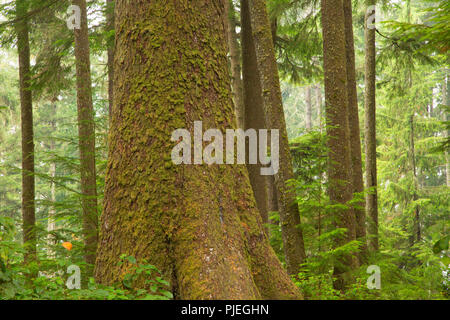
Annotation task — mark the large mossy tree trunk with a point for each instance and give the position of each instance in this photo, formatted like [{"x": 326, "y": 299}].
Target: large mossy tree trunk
[
  {"x": 197, "y": 223},
  {"x": 274, "y": 117},
  {"x": 336, "y": 109},
  {"x": 86, "y": 136},
  {"x": 254, "y": 111},
  {"x": 26, "y": 107},
  {"x": 370, "y": 131},
  {"x": 355, "y": 140}
]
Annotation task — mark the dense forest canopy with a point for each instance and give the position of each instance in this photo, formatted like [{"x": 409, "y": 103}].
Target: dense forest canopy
[{"x": 224, "y": 149}]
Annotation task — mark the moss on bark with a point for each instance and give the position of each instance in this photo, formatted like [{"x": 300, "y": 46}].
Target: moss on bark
[
  {"x": 26, "y": 109},
  {"x": 370, "y": 131},
  {"x": 355, "y": 140},
  {"x": 336, "y": 109},
  {"x": 196, "y": 223},
  {"x": 86, "y": 136},
  {"x": 274, "y": 118}
]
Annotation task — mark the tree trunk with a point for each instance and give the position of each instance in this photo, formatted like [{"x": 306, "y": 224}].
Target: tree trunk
[
  {"x": 319, "y": 106},
  {"x": 235, "y": 61},
  {"x": 86, "y": 132},
  {"x": 26, "y": 105},
  {"x": 370, "y": 132},
  {"x": 274, "y": 116},
  {"x": 336, "y": 108},
  {"x": 308, "y": 108},
  {"x": 254, "y": 112},
  {"x": 417, "y": 232},
  {"x": 110, "y": 51},
  {"x": 52, "y": 211},
  {"x": 446, "y": 101},
  {"x": 197, "y": 223},
  {"x": 353, "y": 121}
]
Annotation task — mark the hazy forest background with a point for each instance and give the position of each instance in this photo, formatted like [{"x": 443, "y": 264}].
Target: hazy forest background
[{"x": 91, "y": 207}]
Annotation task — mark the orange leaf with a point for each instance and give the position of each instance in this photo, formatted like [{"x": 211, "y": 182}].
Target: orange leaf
[{"x": 67, "y": 245}]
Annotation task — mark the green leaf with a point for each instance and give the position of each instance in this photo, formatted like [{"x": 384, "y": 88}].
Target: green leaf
[
  {"x": 131, "y": 259},
  {"x": 441, "y": 245},
  {"x": 168, "y": 294}
]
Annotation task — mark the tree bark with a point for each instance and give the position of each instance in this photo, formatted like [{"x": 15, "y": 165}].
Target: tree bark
[
  {"x": 110, "y": 52},
  {"x": 51, "y": 226},
  {"x": 274, "y": 116},
  {"x": 197, "y": 223},
  {"x": 26, "y": 105},
  {"x": 86, "y": 135},
  {"x": 370, "y": 133},
  {"x": 336, "y": 108},
  {"x": 446, "y": 101},
  {"x": 235, "y": 61},
  {"x": 254, "y": 112},
  {"x": 355, "y": 141}
]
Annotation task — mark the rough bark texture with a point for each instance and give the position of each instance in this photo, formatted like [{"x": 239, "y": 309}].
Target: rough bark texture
[
  {"x": 274, "y": 114},
  {"x": 370, "y": 134},
  {"x": 336, "y": 108},
  {"x": 26, "y": 105},
  {"x": 308, "y": 108},
  {"x": 110, "y": 51},
  {"x": 197, "y": 223},
  {"x": 235, "y": 61},
  {"x": 355, "y": 140},
  {"x": 86, "y": 136},
  {"x": 254, "y": 111}
]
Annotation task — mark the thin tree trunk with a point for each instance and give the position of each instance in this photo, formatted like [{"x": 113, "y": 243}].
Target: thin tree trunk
[
  {"x": 197, "y": 223},
  {"x": 417, "y": 232},
  {"x": 254, "y": 112},
  {"x": 271, "y": 187},
  {"x": 86, "y": 132},
  {"x": 353, "y": 121},
  {"x": 235, "y": 61},
  {"x": 51, "y": 226},
  {"x": 370, "y": 132},
  {"x": 446, "y": 101},
  {"x": 274, "y": 114},
  {"x": 26, "y": 104},
  {"x": 336, "y": 108},
  {"x": 110, "y": 51},
  {"x": 308, "y": 108},
  {"x": 319, "y": 103},
  {"x": 273, "y": 199},
  {"x": 319, "y": 106}
]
